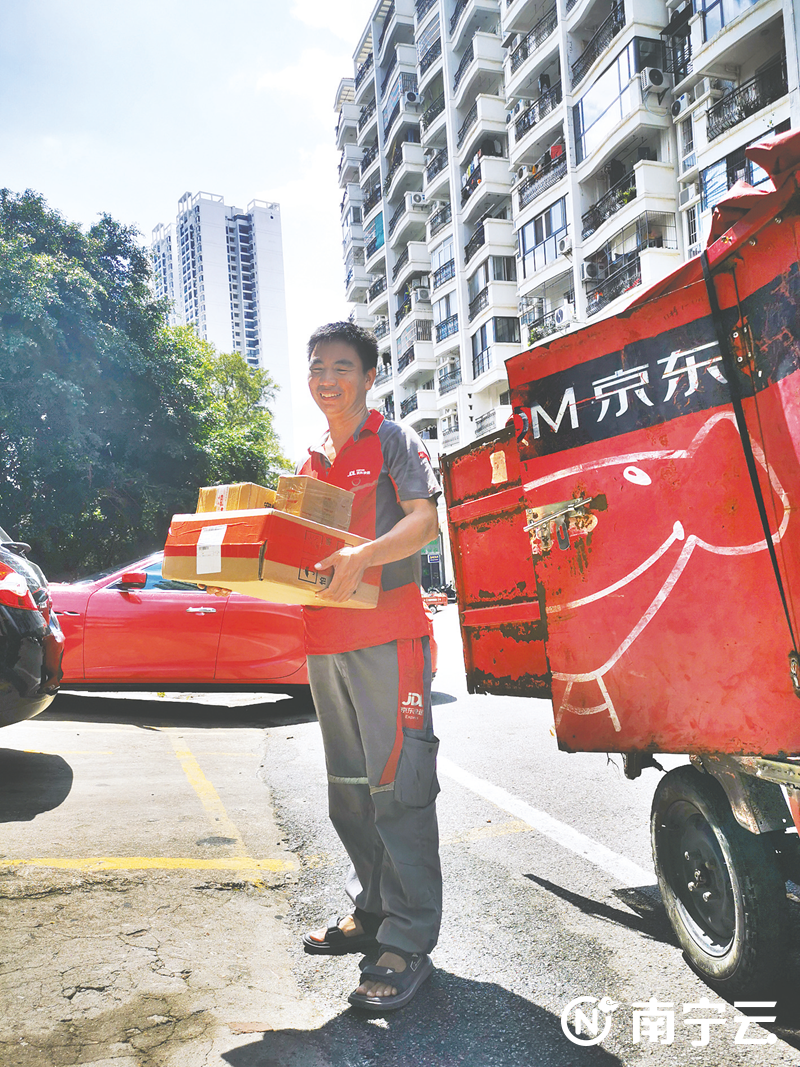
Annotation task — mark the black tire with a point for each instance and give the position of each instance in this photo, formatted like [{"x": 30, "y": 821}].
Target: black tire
[{"x": 721, "y": 885}]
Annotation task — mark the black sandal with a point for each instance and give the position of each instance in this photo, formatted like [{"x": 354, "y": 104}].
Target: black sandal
[
  {"x": 337, "y": 942},
  {"x": 419, "y": 967}
]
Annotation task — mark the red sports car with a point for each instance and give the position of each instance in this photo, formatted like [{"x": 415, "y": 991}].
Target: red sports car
[{"x": 131, "y": 628}]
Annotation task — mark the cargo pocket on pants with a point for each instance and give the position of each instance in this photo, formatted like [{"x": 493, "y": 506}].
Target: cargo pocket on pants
[{"x": 415, "y": 783}]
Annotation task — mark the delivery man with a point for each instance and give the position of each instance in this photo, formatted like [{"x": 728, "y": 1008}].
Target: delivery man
[{"x": 370, "y": 674}]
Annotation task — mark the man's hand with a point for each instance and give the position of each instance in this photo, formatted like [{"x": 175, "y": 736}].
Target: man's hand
[
  {"x": 216, "y": 590},
  {"x": 349, "y": 564}
]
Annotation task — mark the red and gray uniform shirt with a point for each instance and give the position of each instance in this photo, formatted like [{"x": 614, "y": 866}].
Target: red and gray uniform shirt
[{"x": 382, "y": 463}]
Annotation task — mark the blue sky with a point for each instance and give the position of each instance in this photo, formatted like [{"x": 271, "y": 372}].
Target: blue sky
[{"x": 122, "y": 107}]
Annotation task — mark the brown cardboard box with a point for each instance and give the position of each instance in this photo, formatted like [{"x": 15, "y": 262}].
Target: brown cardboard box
[
  {"x": 239, "y": 496},
  {"x": 311, "y": 498},
  {"x": 262, "y": 553}
]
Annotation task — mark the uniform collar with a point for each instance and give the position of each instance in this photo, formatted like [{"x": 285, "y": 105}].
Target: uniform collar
[{"x": 371, "y": 424}]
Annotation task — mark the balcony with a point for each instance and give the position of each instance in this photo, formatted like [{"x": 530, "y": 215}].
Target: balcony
[
  {"x": 437, "y": 175},
  {"x": 414, "y": 259},
  {"x": 486, "y": 423},
  {"x": 372, "y": 196},
  {"x": 356, "y": 282},
  {"x": 480, "y": 302},
  {"x": 534, "y": 39},
  {"x": 369, "y": 158},
  {"x": 422, "y": 7},
  {"x": 486, "y": 186},
  {"x": 440, "y": 219},
  {"x": 347, "y": 127},
  {"x": 376, "y": 289},
  {"x": 628, "y": 277},
  {"x": 448, "y": 381},
  {"x": 606, "y": 33},
  {"x": 481, "y": 66},
  {"x": 547, "y": 103},
  {"x": 486, "y": 118},
  {"x": 381, "y": 329},
  {"x": 446, "y": 328},
  {"x": 419, "y": 406},
  {"x": 384, "y": 374},
  {"x": 546, "y": 325},
  {"x": 450, "y": 437},
  {"x": 405, "y": 169},
  {"x": 757, "y": 93},
  {"x": 349, "y": 164},
  {"x": 416, "y": 350},
  {"x": 432, "y": 112},
  {"x": 544, "y": 179},
  {"x": 609, "y": 204},
  {"x": 367, "y": 112},
  {"x": 646, "y": 179},
  {"x": 364, "y": 70},
  {"x": 458, "y": 11},
  {"x": 429, "y": 58},
  {"x": 353, "y": 196},
  {"x": 443, "y": 274}
]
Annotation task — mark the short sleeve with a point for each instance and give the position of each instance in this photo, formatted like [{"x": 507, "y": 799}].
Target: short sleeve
[{"x": 408, "y": 463}]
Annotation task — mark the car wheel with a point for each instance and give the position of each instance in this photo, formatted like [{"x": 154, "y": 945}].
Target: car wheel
[{"x": 721, "y": 885}]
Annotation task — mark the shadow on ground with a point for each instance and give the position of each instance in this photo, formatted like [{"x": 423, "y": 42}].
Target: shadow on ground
[
  {"x": 276, "y": 710},
  {"x": 30, "y": 783},
  {"x": 453, "y": 1022}
]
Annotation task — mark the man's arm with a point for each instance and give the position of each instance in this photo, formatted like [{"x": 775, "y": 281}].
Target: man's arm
[{"x": 416, "y": 529}]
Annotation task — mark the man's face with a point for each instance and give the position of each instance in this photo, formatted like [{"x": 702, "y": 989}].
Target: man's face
[{"x": 337, "y": 380}]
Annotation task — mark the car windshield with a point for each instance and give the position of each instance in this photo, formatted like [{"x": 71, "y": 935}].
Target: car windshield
[{"x": 99, "y": 575}]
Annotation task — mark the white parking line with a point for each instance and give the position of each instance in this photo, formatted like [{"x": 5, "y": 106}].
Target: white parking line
[{"x": 623, "y": 870}]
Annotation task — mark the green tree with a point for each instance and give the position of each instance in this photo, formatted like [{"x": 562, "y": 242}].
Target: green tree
[{"x": 109, "y": 420}]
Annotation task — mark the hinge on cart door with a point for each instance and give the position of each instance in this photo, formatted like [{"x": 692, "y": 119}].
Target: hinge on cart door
[{"x": 741, "y": 342}]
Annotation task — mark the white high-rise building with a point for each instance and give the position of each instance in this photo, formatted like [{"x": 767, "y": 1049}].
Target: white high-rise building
[
  {"x": 515, "y": 168},
  {"x": 221, "y": 268}
]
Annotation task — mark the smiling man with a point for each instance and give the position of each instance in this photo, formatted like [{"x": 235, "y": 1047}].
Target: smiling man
[{"x": 370, "y": 673}]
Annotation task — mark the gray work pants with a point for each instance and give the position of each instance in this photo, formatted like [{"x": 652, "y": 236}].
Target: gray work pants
[{"x": 374, "y": 709}]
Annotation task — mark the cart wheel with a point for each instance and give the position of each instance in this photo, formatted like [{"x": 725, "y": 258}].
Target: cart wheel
[{"x": 721, "y": 885}]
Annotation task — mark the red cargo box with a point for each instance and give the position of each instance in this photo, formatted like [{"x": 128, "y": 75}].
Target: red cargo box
[{"x": 263, "y": 553}]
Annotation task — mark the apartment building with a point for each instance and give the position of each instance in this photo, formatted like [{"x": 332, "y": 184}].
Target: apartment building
[
  {"x": 515, "y": 168},
  {"x": 221, "y": 269}
]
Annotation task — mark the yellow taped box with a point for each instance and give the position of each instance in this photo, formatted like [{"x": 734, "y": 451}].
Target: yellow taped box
[
  {"x": 239, "y": 496},
  {"x": 311, "y": 498},
  {"x": 262, "y": 553}
]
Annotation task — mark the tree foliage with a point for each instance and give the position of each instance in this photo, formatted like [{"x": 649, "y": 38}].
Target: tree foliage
[{"x": 109, "y": 419}]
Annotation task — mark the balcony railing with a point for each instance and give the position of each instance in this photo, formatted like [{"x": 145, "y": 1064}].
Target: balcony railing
[
  {"x": 444, "y": 273},
  {"x": 541, "y": 327},
  {"x": 609, "y": 204},
  {"x": 384, "y": 369},
  {"x": 481, "y": 362},
  {"x": 367, "y": 111},
  {"x": 388, "y": 76},
  {"x": 467, "y": 124},
  {"x": 546, "y": 103},
  {"x": 459, "y": 8},
  {"x": 438, "y": 163},
  {"x": 485, "y": 423},
  {"x": 423, "y": 7},
  {"x": 411, "y": 403},
  {"x": 369, "y": 156},
  {"x": 364, "y": 69},
  {"x": 609, "y": 289},
  {"x": 768, "y": 86},
  {"x": 471, "y": 184},
  {"x": 386, "y": 23},
  {"x": 376, "y": 288},
  {"x": 569, "y": 6},
  {"x": 402, "y": 311},
  {"x": 447, "y": 328},
  {"x": 466, "y": 59},
  {"x": 440, "y": 219},
  {"x": 371, "y": 197},
  {"x": 450, "y": 437},
  {"x": 405, "y": 360},
  {"x": 479, "y": 303},
  {"x": 446, "y": 383},
  {"x": 393, "y": 221},
  {"x": 430, "y": 113},
  {"x": 474, "y": 243},
  {"x": 544, "y": 179},
  {"x": 381, "y": 329},
  {"x": 599, "y": 43},
  {"x": 373, "y": 245},
  {"x": 430, "y": 56},
  {"x": 401, "y": 262},
  {"x": 534, "y": 38},
  {"x": 418, "y": 330}
]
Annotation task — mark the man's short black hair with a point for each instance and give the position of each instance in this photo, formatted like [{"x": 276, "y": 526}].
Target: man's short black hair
[{"x": 363, "y": 341}]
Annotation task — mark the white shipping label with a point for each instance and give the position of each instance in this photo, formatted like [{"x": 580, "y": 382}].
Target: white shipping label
[{"x": 209, "y": 549}]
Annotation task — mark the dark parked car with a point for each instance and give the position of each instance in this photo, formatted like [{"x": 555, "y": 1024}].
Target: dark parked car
[{"x": 31, "y": 642}]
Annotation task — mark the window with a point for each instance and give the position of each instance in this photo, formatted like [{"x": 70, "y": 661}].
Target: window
[
  {"x": 539, "y": 237},
  {"x": 717, "y": 179},
  {"x": 691, "y": 225},
  {"x": 444, "y": 308},
  {"x": 506, "y": 330},
  {"x": 504, "y": 268},
  {"x": 718, "y": 13},
  {"x": 442, "y": 254},
  {"x": 687, "y": 137},
  {"x": 478, "y": 281}
]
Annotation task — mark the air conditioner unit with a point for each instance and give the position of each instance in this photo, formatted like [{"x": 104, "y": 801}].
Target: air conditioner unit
[
  {"x": 689, "y": 192},
  {"x": 654, "y": 80},
  {"x": 713, "y": 86},
  {"x": 680, "y": 105},
  {"x": 412, "y": 98},
  {"x": 524, "y": 172},
  {"x": 563, "y": 315},
  {"x": 565, "y": 246},
  {"x": 420, "y": 295},
  {"x": 591, "y": 272},
  {"x": 416, "y": 200}
]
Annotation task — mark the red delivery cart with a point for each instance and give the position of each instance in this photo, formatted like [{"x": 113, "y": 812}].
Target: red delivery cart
[{"x": 629, "y": 546}]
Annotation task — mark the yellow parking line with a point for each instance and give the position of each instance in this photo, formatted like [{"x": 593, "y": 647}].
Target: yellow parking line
[
  {"x": 208, "y": 795},
  {"x": 146, "y": 863}
]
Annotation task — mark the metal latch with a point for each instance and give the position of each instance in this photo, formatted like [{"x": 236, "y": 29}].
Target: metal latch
[{"x": 557, "y": 521}]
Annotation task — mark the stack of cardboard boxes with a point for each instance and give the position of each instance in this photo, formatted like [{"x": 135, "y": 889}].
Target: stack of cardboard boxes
[{"x": 264, "y": 544}]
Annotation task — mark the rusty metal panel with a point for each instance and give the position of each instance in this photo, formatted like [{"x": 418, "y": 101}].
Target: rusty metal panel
[{"x": 502, "y": 625}]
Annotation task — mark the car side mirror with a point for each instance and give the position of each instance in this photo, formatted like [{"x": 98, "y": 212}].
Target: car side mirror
[{"x": 133, "y": 580}]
